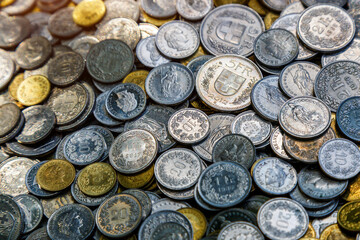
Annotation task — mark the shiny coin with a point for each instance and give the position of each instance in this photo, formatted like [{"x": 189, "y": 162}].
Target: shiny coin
[
  {"x": 125, "y": 101},
  {"x": 50, "y": 205},
  {"x": 168, "y": 204},
  {"x": 162, "y": 9},
  {"x": 283, "y": 218},
  {"x": 275, "y": 5},
  {"x": 352, "y": 193},
  {"x": 304, "y": 117},
  {"x": 346, "y": 118},
  {"x": 277, "y": 143},
  {"x": 177, "y": 39},
  {"x": 197, "y": 220},
  {"x": 194, "y": 10},
  {"x": 223, "y": 32},
  {"x": 178, "y": 169},
  {"x": 133, "y": 151},
  {"x": 334, "y": 232},
  {"x": 73, "y": 221},
  {"x": 170, "y": 229},
  {"x": 326, "y": 36},
  {"x": 14, "y": 30},
  {"x": 119, "y": 210},
  {"x": 350, "y": 53},
  {"x": 10, "y": 115},
  {"x": 225, "y": 82},
  {"x": 267, "y": 98},
  {"x": 108, "y": 137},
  {"x": 121, "y": 9},
  {"x": 101, "y": 114},
  {"x": 147, "y": 29},
  {"x": 109, "y": 61},
  {"x": 295, "y": 7},
  {"x": 7, "y": 69},
  {"x": 148, "y": 54},
  {"x": 33, "y": 90},
  {"x": 89, "y": 12},
  {"x": 195, "y": 64},
  {"x": 308, "y": 3},
  {"x": 338, "y": 158},
  {"x": 275, "y": 176},
  {"x": 347, "y": 216},
  {"x": 143, "y": 199},
  {"x": 241, "y": 230},
  {"x": 14, "y": 84},
  {"x": 308, "y": 202},
  {"x": 11, "y": 218},
  {"x": 61, "y": 24},
  {"x": 137, "y": 180},
  {"x": 55, "y": 175},
  {"x": 218, "y": 182},
  {"x": 137, "y": 77}
]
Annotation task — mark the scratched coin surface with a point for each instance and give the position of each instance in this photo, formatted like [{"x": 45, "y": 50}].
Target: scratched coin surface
[
  {"x": 148, "y": 54},
  {"x": 32, "y": 210},
  {"x": 11, "y": 218}
]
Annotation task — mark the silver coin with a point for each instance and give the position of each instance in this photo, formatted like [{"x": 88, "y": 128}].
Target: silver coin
[
  {"x": 297, "y": 79},
  {"x": 240, "y": 230},
  {"x": 321, "y": 28},
  {"x": 283, "y": 218},
  {"x": 100, "y": 113},
  {"x": 177, "y": 39},
  {"x": 166, "y": 204},
  {"x": 178, "y": 168},
  {"x": 83, "y": 44},
  {"x": 320, "y": 224},
  {"x": 159, "y": 9},
  {"x": 178, "y": 195},
  {"x": 305, "y": 117},
  {"x": 7, "y": 68},
  {"x": 153, "y": 196},
  {"x": 353, "y": 3},
  {"x": 133, "y": 151},
  {"x": 143, "y": 199},
  {"x": 231, "y": 29},
  {"x": 189, "y": 125},
  {"x": 277, "y": 143},
  {"x": 194, "y": 10},
  {"x": 195, "y": 64},
  {"x": 201, "y": 202},
  {"x": 108, "y": 137},
  {"x": 295, "y": 7},
  {"x": 148, "y": 54},
  {"x": 309, "y": 3},
  {"x": 13, "y": 30},
  {"x": 307, "y": 202},
  {"x": 19, "y": 7},
  {"x": 147, "y": 29},
  {"x": 275, "y": 176},
  {"x": 170, "y": 229},
  {"x": 39, "y": 25},
  {"x": 350, "y": 53},
  {"x": 120, "y": 9},
  {"x": 338, "y": 158},
  {"x": 322, "y": 212},
  {"x": 252, "y": 126},
  {"x": 275, "y": 5}
]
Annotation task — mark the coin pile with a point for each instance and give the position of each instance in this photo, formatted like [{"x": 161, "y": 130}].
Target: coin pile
[{"x": 180, "y": 119}]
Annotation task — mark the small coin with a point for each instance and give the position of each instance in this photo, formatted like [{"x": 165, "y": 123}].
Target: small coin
[
  {"x": 350, "y": 53},
  {"x": 295, "y": 7},
  {"x": 307, "y": 202},
  {"x": 39, "y": 234},
  {"x": 347, "y": 216},
  {"x": 88, "y": 13},
  {"x": 334, "y": 232},
  {"x": 61, "y": 23},
  {"x": 162, "y": 9},
  {"x": 194, "y": 10},
  {"x": 137, "y": 180},
  {"x": 241, "y": 230},
  {"x": 11, "y": 218},
  {"x": 109, "y": 217},
  {"x": 10, "y": 115},
  {"x": 283, "y": 218},
  {"x": 327, "y": 37},
  {"x": 197, "y": 220},
  {"x": 50, "y": 205},
  {"x": 309, "y": 3},
  {"x": 55, "y": 175},
  {"x": 14, "y": 30},
  {"x": 346, "y": 118},
  {"x": 33, "y": 90},
  {"x": 143, "y": 199},
  {"x": 121, "y": 9},
  {"x": 7, "y": 69},
  {"x": 148, "y": 54}
]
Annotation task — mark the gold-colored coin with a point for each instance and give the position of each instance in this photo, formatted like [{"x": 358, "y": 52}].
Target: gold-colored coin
[
  {"x": 258, "y": 7},
  {"x": 197, "y": 220},
  {"x": 89, "y": 12},
  {"x": 96, "y": 179},
  {"x": 14, "y": 85},
  {"x": 308, "y": 238},
  {"x": 138, "y": 77},
  {"x": 55, "y": 175},
  {"x": 136, "y": 180},
  {"x": 199, "y": 52},
  {"x": 348, "y": 216},
  {"x": 269, "y": 19},
  {"x": 33, "y": 90},
  {"x": 310, "y": 233},
  {"x": 222, "y": 2},
  {"x": 151, "y": 186},
  {"x": 352, "y": 192},
  {"x": 333, "y": 232},
  {"x": 157, "y": 22},
  {"x": 5, "y": 3}
]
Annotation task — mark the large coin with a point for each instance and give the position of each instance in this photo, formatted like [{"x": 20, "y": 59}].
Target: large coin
[
  {"x": 241, "y": 230},
  {"x": 231, "y": 29},
  {"x": 159, "y": 9},
  {"x": 347, "y": 118},
  {"x": 148, "y": 54},
  {"x": 11, "y": 218},
  {"x": 225, "y": 82},
  {"x": 321, "y": 28},
  {"x": 350, "y": 53},
  {"x": 9, "y": 118}
]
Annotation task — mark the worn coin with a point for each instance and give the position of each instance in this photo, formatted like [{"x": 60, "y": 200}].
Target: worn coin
[
  {"x": 19, "y": 7},
  {"x": 148, "y": 54},
  {"x": 101, "y": 114},
  {"x": 350, "y": 53},
  {"x": 197, "y": 220},
  {"x": 309, "y": 3},
  {"x": 347, "y": 216},
  {"x": 33, "y": 90},
  {"x": 223, "y": 31},
  {"x": 333, "y": 231},
  {"x": 39, "y": 25},
  {"x": 170, "y": 229},
  {"x": 9, "y": 117},
  {"x": 295, "y": 7},
  {"x": 121, "y": 9},
  {"x": 347, "y": 118},
  {"x": 11, "y": 218},
  {"x": 39, "y": 234},
  {"x": 283, "y": 218},
  {"x": 31, "y": 209},
  {"x": 160, "y": 9},
  {"x": 83, "y": 44},
  {"x": 307, "y": 202},
  {"x": 277, "y": 143},
  {"x": 241, "y": 230},
  {"x": 88, "y": 13},
  {"x": 194, "y": 10},
  {"x": 61, "y": 23},
  {"x": 13, "y": 30},
  {"x": 7, "y": 69},
  {"x": 143, "y": 199},
  {"x": 50, "y": 205},
  {"x": 326, "y": 35}
]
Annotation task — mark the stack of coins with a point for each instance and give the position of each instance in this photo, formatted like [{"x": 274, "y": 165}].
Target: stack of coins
[{"x": 180, "y": 119}]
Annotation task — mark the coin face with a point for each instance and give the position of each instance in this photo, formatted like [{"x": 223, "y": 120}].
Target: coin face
[
  {"x": 9, "y": 117},
  {"x": 148, "y": 54},
  {"x": 50, "y": 205},
  {"x": 223, "y": 32},
  {"x": 305, "y": 117},
  {"x": 350, "y": 53},
  {"x": 171, "y": 228},
  {"x": 121, "y": 9},
  {"x": 308, "y": 3},
  {"x": 14, "y": 30},
  {"x": 33, "y": 90},
  {"x": 347, "y": 216},
  {"x": 11, "y": 218},
  {"x": 88, "y": 13},
  {"x": 194, "y": 10},
  {"x": 346, "y": 117},
  {"x": 7, "y": 69},
  {"x": 241, "y": 230},
  {"x": 109, "y": 61},
  {"x": 143, "y": 199},
  {"x": 101, "y": 114},
  {"x": 61, "y": 23},
  {"x": 336, "y": 82},
  {"x": 225, "y": 82},
  {"x": 121, "y": 209},
  {"x": 160, "y": 9},
  {"x": 325, "y": 36}
]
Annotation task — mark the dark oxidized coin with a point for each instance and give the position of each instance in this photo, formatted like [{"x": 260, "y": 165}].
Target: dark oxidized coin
[
  {"x": 101, "y": 114},
  {"x": 9, "y": 117},
  {"x": 126, "y": 101},
  {"x": 109, "y": 61},
  {"x": 347, "y": 118},
  {"x": 148, "y": 54},
  {"x": 15, "y": 130},
  {"x": 143, "y": 199},
  {"x": 39, "y": 234},
  {"x": 72, "y": 221},
  {"x": 170, "y": 229},
  {"x": 195, "y": 64},
  {"x": 13, "y": 30},
  {"x": 61, "y": 24},
  {"x": 11, "y": 218}
]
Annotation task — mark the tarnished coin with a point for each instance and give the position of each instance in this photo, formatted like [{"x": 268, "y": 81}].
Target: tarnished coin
[
  {"x": 334, "y": 231},
  {"x": 7, "y": 69},
  {"x": 336, "y": 82},
  {"x": 252, "y": 126},
  {"x": 353, "y": 3},
  {"x": 125, "y": 101},
  {"x": 50, "y": 205},
  {"x": 178, "y": 168},
  {"x": 88, "y": 13},
  {"x": 13, "y": 30},
  {"x": 15, "y": 131},
  {"x": 147, "y": 29},
  {"x": 169, "y": 84},
  {"x": 109, "y": 61},
  {"x": 39, "y": 234},
  {"x": 339, "y": 158},
  {"x": 32, "y": 210},
  {"x": 33, "y": 90},
  {"x": 294, "y": 7},
  {"x": 73, "y": 221},
  {"x": 55, "y": 175},
  {"x": 9, "y": 117},
  {"x": 12, "y": 175},
  {"x": 241, "y": 230},
  {"x": 328, "y": 35},
  {"x": 347, "y": 118},
  {"x": 39, "y": 25},
  {"x": 297, "y": 79},
  {"x": 350, "y": 53},
  {"x": 305, "y": 117},
  {"x": 143, "y": 199},
  {"x": 275, "y": 176},
  {"x": 177, "y": 39},
  {"x": 195, "y": 64},
  {"x": 138, "y": 180},
  {"x": 153, "y": 196},
  {"x": 19, "y": 7},
  {"x": 67, "y": 103},
  {"x": 218, "y": 182},
  {"x": 61, "y": 23},
  {"x": 170, "y": 229},
  {"x": 119, "y": 210},
  {"x": 307, "y": 202},
  {"x": 308, "y": 3},
  {"x": 11, "y": 218},
  {"x": 148, "y": 54},
  {"x": 225, "y": 82},
  {"x": 121, "y": 9},
  {"x": 306, "y": 150},
  {"x": 123, "y": 29},
  {"x": 39, "y": 122},
  {"x": 347, "y": 216},
  {"x": 194, "y": 10},
  {"x": 283, "y": 218},
  {"x": 277, "y": 143},
  {"x": 315, "y": 184},
  {"x": 83, "y": 44},
  {"x": 101, "y": 114},
  {"x": 84, "y": 147},
  {"x": 197, "y": 220},
  {"x": 267, "y": 98},
  {"x": 276, "y": 47},
  {"x": 160, "y": 9},
  {"x": 222, "y": 31}
]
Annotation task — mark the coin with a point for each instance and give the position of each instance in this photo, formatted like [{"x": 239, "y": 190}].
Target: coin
[
  {"x": 325, "y": 36},
  {"x": 14, "y": 84},
  {"x": 347, "y": 216},
  {"x": 148, "y": 54},
  {"x": 195, "y": 64},
  {"x": 350, "y": 53},
  {"x": 33, "y": 90},
  {"x": 334, "y": 231},
  {"x": 100, "y": 113},
  {"x": 83, "y": 44},
  {"x": 320, "y": 224},
  {"x": 137, "y": 180},
  {"x": 7, "y": 69},
  {"x": 88, "y": 13},
  {"x": 168, "y": 204},
  {"x": 11, "y": 218},
  {"x": 346, "y": 118},
  {"x": 137, "y": 77},
  {"x": 170, "y": 229},
  {"x": 109, "y": 61},
  {"x": 39, "y": 234},
  {"x": 352, "y": 192},
  {"x": 325, "y": 211},
  {"x": 295, "y": 7},
  {"x": 39, "y": 25},
  {"x": 119, "y": 210},
  {"x": 275, "y": 5},
  {"x": 143, "y": 199},
  {"x": 197, "y": 220},
  {"x": 155, "y": 21},
  {"x": 108, "y": 137},
  {"x": 50, "y": 205},
  {"x": 277, "y": 143},
  {"x": 14, "y": 30},
  {"x": 194, "y": 10},
  {"x": 222, "y": 31},
  {"x": 55, "y": 175},
  {"x": 10, "y": 116},
  {"x": 121, "y": 9},
  {"x": 309, "y": 203},
  {"x": 277, "y": 215},
  {"x": 61, "y": 23},
  {"x": 162, "y": 9},
  {"x": 309, "y": 3},
  {"x": 240, "y": 230}
]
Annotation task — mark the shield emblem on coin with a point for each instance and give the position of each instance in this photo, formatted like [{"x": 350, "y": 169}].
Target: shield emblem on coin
[
  {"x": 230, "y": 32},
  {"x": 228, "y": 83}
]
